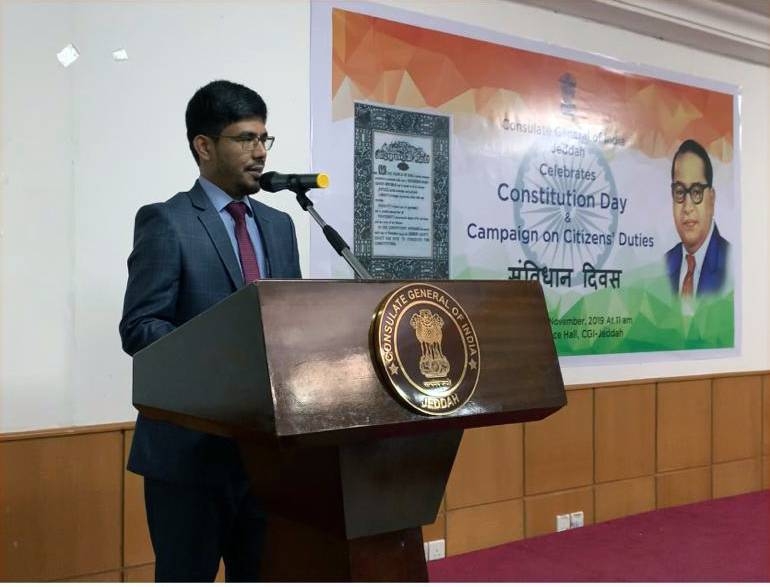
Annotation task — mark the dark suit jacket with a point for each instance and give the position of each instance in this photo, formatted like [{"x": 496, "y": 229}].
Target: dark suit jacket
[
  {"x": 714, "y": 271},
  {"x": 183, "y": 263}
]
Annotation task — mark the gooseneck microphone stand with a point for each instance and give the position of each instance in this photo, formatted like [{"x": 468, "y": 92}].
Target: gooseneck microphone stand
[{"x": 332, "y": 235}]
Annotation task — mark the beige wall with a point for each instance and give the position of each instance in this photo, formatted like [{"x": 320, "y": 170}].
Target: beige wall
[{"x": 71, "y": 511}]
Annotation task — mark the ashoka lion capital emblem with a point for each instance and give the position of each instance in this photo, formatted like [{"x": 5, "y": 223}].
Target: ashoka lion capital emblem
[
  {"x": 427, "y": 327},
  {"x": 425, "y": 348}
]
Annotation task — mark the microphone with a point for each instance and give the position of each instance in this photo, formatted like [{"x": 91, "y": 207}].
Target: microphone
[
  {"x": 272, "y": 181},
  {"x": 300, "y": 183}
]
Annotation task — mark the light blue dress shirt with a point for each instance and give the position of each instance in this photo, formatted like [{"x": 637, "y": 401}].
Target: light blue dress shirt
[{"x": 219, "y": 199}]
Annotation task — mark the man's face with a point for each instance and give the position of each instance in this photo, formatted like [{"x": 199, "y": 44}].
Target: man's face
[
  {"x": 693, "y": 221},
  {"x": 227, "y": 163}
]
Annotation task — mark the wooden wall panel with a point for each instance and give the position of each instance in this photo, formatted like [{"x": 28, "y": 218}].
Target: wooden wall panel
[
  {"x": 488, "y": 468},
  {"x": 61, "y": 514},
  {"x": 737, "y": 477},
  {"x": 766, "y": 415},
  {"x": 683, "y": 424},
  {"x": 483, "y": 526},
  {"x": 436, "y": 530},
  {"x": 137, "y": 548},
  {"x": 108, "y": 577},
  {"x": 70, "y": 510},
  {"x": 624, "y": 498},
  {"x": 624, "y": 432},
  {"x": 541, "y": 511},
  {"x": 143, "y": 574},
  {"x": 766, "y": 431},
  {"x": 146, "y": 574},
  {"x": 683, "y": 487},
  {"x": 737, "y": 418},
  {"x": 559, "y": 451}
]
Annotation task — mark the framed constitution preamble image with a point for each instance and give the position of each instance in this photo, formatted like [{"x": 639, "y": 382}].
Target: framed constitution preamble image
[{"x": 401, "y": 186}]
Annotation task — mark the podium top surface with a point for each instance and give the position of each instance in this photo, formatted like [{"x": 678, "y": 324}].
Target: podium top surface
[{"x": 293, "y": 359}]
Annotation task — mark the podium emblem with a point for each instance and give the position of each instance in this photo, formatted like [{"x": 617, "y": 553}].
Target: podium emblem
[{"x": 426, "y": 349}]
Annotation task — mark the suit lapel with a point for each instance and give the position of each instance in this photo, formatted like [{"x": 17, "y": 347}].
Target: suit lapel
[
  {"x": 269, "y": 237},
  {"x": 674, "y": 262},
  {"x": 710, "y": 263},
  {"x": 211, "y": 221}
]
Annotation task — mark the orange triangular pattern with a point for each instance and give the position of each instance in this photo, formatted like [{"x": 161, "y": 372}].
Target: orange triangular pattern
[{"x": 406, "y": 65}]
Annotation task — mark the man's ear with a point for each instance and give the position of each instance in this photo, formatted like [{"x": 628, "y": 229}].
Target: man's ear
[{"x": 203, "y": 146}]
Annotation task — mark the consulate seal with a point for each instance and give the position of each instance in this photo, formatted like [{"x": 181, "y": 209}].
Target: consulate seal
[{"x": 425, "y": 348}]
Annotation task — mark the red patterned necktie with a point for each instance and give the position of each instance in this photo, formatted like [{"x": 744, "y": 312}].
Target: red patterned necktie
[
  {"x": 688, "y": 277},
  {"x": 245, "y": 247}
]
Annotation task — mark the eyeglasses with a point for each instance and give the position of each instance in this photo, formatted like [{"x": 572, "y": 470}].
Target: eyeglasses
[
  {"x": 697, "y": 190},
  {"x": 249, "y": 142}
]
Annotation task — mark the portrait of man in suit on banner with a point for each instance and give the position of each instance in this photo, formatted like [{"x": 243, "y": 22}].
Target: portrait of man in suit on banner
[{"x": 698, "y": 265}]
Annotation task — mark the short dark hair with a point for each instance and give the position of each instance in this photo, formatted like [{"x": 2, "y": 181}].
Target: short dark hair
[
  {"x": 694, "y": 147},
  {"x": 218, "y": 104}
]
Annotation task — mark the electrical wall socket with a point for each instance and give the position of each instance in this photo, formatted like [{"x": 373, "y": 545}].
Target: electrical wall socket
[
  {"x": 576, "y": 520},
  {"x": 435, "y": 550},
  {"x": 562, "y": 522}
]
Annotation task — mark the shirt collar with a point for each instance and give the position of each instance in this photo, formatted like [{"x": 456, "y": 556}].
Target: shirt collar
[
  {"x": 218, "y": 197},
  {"x": 700, "y": 254}
]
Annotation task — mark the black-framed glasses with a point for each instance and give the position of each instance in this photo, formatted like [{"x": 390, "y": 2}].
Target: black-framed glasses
[
  {"x": 249, "y": 142},
  {"x": 679, "y": 192}
]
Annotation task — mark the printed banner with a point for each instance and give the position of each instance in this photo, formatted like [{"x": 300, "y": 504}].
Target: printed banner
[{"x": 464, "y": 154}]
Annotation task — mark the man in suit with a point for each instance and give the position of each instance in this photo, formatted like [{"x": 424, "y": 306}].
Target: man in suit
[
  {"x": 698, "y": 264},
  {"x": 191, "y": 252}
]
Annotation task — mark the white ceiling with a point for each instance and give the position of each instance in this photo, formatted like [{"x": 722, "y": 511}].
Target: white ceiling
[
  {"x": 736, "y": 28},
  {"x": 761, "y": 7}
]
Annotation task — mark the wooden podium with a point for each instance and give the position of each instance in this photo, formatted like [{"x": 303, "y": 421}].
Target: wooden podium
[{"x": 347, "y": 471}]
